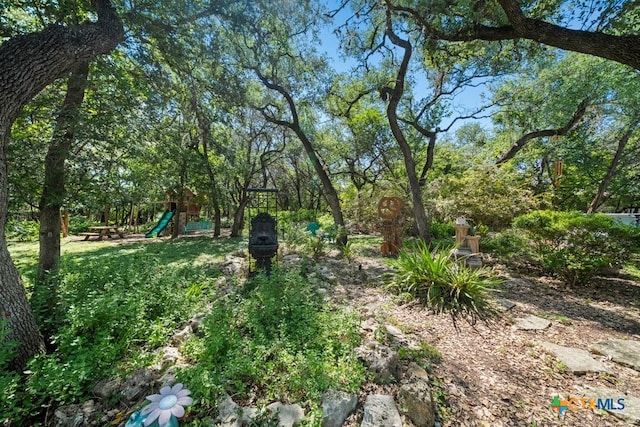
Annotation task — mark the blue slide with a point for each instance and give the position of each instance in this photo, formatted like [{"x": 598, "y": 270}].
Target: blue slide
[{"x": 161, "y": 225}]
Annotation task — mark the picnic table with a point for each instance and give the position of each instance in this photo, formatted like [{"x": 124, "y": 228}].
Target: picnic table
[{"x": 100, "y": 231}]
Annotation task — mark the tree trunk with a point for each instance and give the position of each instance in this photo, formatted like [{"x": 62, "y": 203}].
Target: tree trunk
[
  {"x": 106, "y": 213},
  {"x": 330, "y": 192},
  {"x": 64, "y": 223},
  {"x": 13, "y": 299},
  {"x": 27, "y": 65},
  {"x": 394, "y": 95},
  {"x": 177, "y": 225},
  {"x": 205, "y": 138},
  {"x": 53, "y": 193},
  {"x": 238, "y": 216},
  {"x": 611, "y": 171},
  {"x": 217, "y": 217}
]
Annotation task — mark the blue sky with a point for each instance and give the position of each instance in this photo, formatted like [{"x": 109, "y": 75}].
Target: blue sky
[{"x": 469, "y": 98}]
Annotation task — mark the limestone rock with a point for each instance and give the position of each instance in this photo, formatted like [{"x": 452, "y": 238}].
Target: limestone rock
[
  {"x": 181, "y": 336},
  {"x": 138, "y": 384},
  {"x": 168, "y": 378},
  {"x": 380, "y": 411},
  {"x": 505, "y": 304},
  {"x": 397, "y": 336},
  {"x": 631, "y": 411},
  {"x": 416, "y": 372},
  {"x": 288, "y": 415},
  {"x": 74, "y": 415},
  {"x": 532, "y": 323},
  {"x": 578, "y": 361},
  {"x": 625, "y": 352},
  {"x": 170, "y": 356},
  {"x": 232, "y": 265},
  {"x": 107, "y": 387},
  {"x": 228, "y": 413},
  {"x": 416, "y": 398},
  {"x": 336, "y": 407},
  {"x": 381, "y": 360}
]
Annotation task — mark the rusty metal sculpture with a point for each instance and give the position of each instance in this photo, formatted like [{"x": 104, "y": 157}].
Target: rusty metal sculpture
[{"x": 389, "y": 209}]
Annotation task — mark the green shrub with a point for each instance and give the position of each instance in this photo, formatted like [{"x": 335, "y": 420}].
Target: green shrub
[
  {"x": 278, "y": 340},
  {"x": 79, "y": 224},
  {"x": 575, "y": 246},
  {"x": 508, "y": 245},
  {"x": 302, "y": 240},
  {"x": 443, "y": 284},
  {"x": 23, "y": 231},
  {"x": 487, "y": 196},
  {"x": 442, "y": 230},
  {"x": 28, "y": 231},
  {"x": 296, "y": 217},
  {"x": 11, "y": 406},
  {"x": 481, "y": 230}
]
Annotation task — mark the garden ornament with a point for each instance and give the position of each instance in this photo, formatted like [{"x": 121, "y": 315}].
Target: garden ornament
[
  {"x": 164, "y": 410},
  {"x": 389, "y": 209}
]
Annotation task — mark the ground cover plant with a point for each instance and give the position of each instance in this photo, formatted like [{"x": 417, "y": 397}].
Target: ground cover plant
[
  {"x": 116, "y": 305},
  {"x": 273, "y": 338}
]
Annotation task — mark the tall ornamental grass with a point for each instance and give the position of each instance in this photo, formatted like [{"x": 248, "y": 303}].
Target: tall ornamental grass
[{"x": 444, "y": 284}]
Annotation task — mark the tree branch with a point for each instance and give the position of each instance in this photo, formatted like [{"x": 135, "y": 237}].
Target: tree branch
[
  {"x": 624, "y": 49},
  {"x": 522, "y": 141}
]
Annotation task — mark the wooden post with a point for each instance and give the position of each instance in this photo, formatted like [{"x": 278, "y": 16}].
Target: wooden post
[
  {"x": 473, "y": 242},
  {"x": 461, "y": 233},
  {"x": 64, "y": 223}
]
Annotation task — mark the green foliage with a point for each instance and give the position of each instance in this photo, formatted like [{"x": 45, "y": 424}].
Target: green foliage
[
  {"x": 279, "y": 338},
  {"x": 491, "y": 198},
  {"x": 290, "y": 218},
  {"x": 8, "y": 346},
  {"x": 79, "y": 224},
  {"x": 10, "y": 407},
  {"x": 28, "y": 231},
  {"x": 23, "y": 231},
  {"x": 576, "y": 246},
  {"x": 481, "y": 230},
  {"x": 443, "y": 284},
  {"x": 299, "y": 238},
  {"x": 508, "y": 244},
  {"x": 117, "y": 304},
  {"x": 425, "y": 353},
  {"x": 348, "y": 251},
  {"x": 442, "y": 230}
]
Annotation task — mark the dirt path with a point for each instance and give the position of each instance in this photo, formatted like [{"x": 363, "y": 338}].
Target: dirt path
[{"x": 500, "y": 375}]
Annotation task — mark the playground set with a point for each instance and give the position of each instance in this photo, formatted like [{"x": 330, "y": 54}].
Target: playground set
[{"x": 190, "y": 212}]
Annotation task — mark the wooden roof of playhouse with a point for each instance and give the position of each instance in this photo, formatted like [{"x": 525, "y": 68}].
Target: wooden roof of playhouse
[{"x": 190, "y": 201}]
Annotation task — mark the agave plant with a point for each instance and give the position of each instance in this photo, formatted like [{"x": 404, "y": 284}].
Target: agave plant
[{"x": 444, "y": 284}]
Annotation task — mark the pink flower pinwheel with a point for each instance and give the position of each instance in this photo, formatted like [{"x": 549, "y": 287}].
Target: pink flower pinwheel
[{"x": 170, "y": 401}]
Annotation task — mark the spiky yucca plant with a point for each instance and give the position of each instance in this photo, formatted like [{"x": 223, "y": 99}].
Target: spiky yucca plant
[{"x": 444, "y": 284}]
